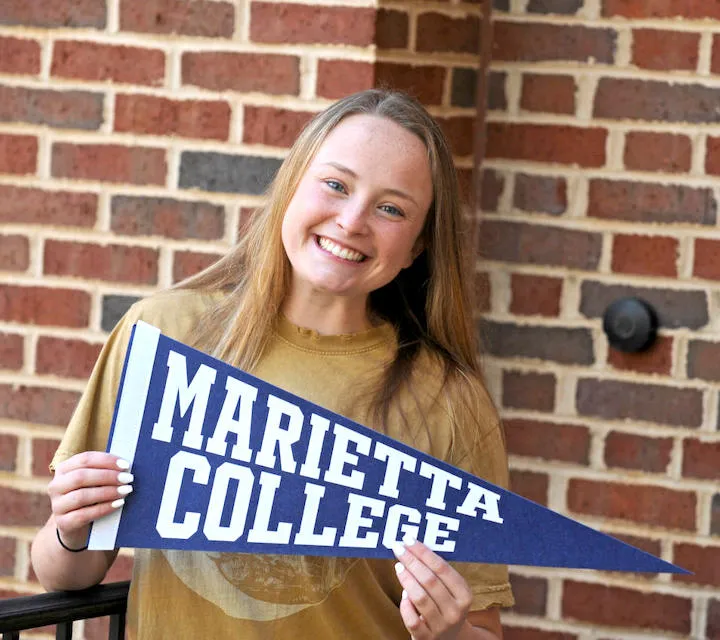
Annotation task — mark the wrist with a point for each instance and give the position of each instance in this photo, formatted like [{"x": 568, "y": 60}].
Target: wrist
[{"x": 71, "y": 545}]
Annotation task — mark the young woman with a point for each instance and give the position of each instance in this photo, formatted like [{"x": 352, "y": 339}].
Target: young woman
[{"x": 348, "y": 289}]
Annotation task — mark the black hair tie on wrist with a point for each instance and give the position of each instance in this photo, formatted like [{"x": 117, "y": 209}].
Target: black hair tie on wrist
[{"x": 64, "y": 546}]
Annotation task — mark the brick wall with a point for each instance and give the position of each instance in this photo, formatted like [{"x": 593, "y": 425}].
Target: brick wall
[
  {"x": 601, "y": 181},
  {"x": 136, "y": 136}
]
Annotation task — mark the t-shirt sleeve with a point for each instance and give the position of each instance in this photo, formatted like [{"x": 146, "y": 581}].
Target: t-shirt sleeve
[
  {"x": 90, "y": 423},
  {"x": 484, "y": 455}
]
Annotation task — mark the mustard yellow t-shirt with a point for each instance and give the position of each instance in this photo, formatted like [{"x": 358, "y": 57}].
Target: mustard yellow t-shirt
[{"x": 180, "y": 594}]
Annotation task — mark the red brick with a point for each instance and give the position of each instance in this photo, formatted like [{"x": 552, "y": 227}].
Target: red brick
[
  {"x": 647, "y": 202},
  {"x": 43, "y": 451},
  {"x": 339, "y": 78},
  {"x": 491, "y": 189},
  {"x": 662, "y": 50},
  {"x": 535, "y": 295},
  {"x": 460, "y": 133},
  {"x": 11, "y": 351},
  {"x": 66, "y": 358},
  {"x": 113, "y": 263},
  {"x": 706, "y": 264},
  {"x": 273, "y": 126},
  {"x": 109, "y": 163},
  {"x": 530, "y": 595},
  {"x": 645, "y": 255},
  {"x": 7, "y": 557},
  {"x": 424, "y": 82},
  {"x": 23, "y": 508},
  {"x": 551, "y": 144},
  {"x": 715, "y": 59},
  {"x": 391, "y": 29},
  {"x": 703, "y": 360},
  {"x": 530, "y": 485},
  {"x": 44, "y": 306},
  {"x": 14, "y": 253},
  {"x": 701, "y": 459},
  {"x": 536, "y": 244},
  {"x": 712, "y": 158},
  {"x": 634, "y": 99},
  {"x": 164, "y": 117},
  {"x": 528, "y": 390},
  {"x": 244, "y": 72},
  {"x": 704, "y": 562},
  {"x": 645, "y": 504},
  {"x": 121, "y": 570},
  {"x": 618, "y": 400},
  {"x": 548, "y": 93},
  {"x": 547, "y": 440},
  {"x": 178, "y": 219},
  {"x": 289, "y": 23},
  {"x": 188, "y": 263},
  {"x": 656, "y": 359},
  {"x": 20, "y": 56},
  {"x": 625, "y": 608},
  {"x": 55, "y": 13},
  {"x": 692, "y": 9},
  {"x": 544, "y": 194},
  {"x": 482, "y": 291},
  {"x": 8, "y": 452},
  {"x": 437, "y": 32},
  {"x": 629, "y": 451},
  {"x": 189, "y": 18},
  {"x": 59, "y": 109},
  {"x": 523, "y": 633},
  {"x": 713, "y": 619},
  {"x": 37, "y": 404},
  {"x": 18, "y": 154},
  {"x": 648, "y": 151},
  {"x": 538, "y": 42},
  {"x": 57, "y": 208},
  {"x": 101, "y": 62}
]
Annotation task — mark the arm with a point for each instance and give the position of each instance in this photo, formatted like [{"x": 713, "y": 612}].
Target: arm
[
  {"x": 85, "y": 487},
  {"x": 436, "y": 599}
]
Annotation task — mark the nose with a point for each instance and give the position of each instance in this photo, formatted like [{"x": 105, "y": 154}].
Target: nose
[{"x": 353, "y": 216}]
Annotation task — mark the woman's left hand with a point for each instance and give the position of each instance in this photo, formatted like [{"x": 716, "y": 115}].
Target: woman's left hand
[{"x": 436, "y": 598}]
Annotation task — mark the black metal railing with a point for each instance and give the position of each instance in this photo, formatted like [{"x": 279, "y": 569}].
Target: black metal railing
[{"x": 63, "y": 608}]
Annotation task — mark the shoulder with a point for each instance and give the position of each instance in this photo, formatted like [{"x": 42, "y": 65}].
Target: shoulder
[{"x": 175, "y": 312}]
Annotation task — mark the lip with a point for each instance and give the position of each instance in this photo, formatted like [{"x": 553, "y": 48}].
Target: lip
[{"x": 340, "y": 244}]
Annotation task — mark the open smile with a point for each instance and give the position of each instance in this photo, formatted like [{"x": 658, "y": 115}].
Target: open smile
[{"x": 338, "y": 250}]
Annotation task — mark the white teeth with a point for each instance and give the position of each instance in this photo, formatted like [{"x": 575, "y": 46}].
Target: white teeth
[{"x": 340, "y": 252}]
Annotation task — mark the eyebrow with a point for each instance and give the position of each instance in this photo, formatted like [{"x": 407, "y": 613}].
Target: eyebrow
[{"x": 352, "y": 174}]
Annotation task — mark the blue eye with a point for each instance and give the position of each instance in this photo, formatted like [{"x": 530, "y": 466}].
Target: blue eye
[
  {"x": 393, "y": 211},
  {"x": 335, "y": 185}
]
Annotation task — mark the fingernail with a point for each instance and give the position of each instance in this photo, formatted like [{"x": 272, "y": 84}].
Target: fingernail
[
  {"x": 117, "y": 503},
  {"x": 398, "y": 549},
  {"x": 408, "y": 540},
  {"x": 125, "y": 478},
  {"x": 404, "y": 595},
  {"x": 122, "y": 464},
  {"x": 124, "y": 489},
  {"x": 399, "y": 568}
]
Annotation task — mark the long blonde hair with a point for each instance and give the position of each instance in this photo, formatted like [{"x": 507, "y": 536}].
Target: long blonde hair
[{"x": 427, "y": 303}]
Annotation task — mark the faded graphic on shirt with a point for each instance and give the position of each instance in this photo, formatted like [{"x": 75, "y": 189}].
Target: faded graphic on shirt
[{"x": 266, "y": 587}]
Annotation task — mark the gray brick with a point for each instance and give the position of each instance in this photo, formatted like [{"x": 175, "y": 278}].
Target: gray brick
[
  {"x": 226, "y": 173},
  {"x": 464, "y": 83},
  {"x": 501, "y": 5},
  {"x": 61, "y": 109},
  {"x": 554, "y": 344},
  {"x": 563, "y": 7},
  {"x": 114, "y": 308},
  {"x": 497, "y": 98},
  {"x": 675, "y": 308}
]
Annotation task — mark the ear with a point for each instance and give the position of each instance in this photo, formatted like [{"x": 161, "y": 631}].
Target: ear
[{"x": 417, "y": 249}]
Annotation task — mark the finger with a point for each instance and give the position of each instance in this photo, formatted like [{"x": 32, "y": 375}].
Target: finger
[
  {"x": 74, "y": 520},
  {"x": 431, "y": 583},
  {"x": 423, "y": 602},
  {"x": 450, "y": 578},
  {"x": 83, "y": 498},
  {"x": 412, "y": 619},
  {"x": 85, "y": 478},
  {"x": 92, "y": 460}
]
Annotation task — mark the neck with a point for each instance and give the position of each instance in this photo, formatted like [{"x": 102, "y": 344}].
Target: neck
[{"x": 327, "y": 316}]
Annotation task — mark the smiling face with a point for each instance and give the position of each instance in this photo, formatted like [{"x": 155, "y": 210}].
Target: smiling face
[{"x": 356, "y": 217}]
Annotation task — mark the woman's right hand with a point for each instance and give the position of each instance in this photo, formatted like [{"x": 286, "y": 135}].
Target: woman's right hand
[{"x": 86, "y": 487}]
